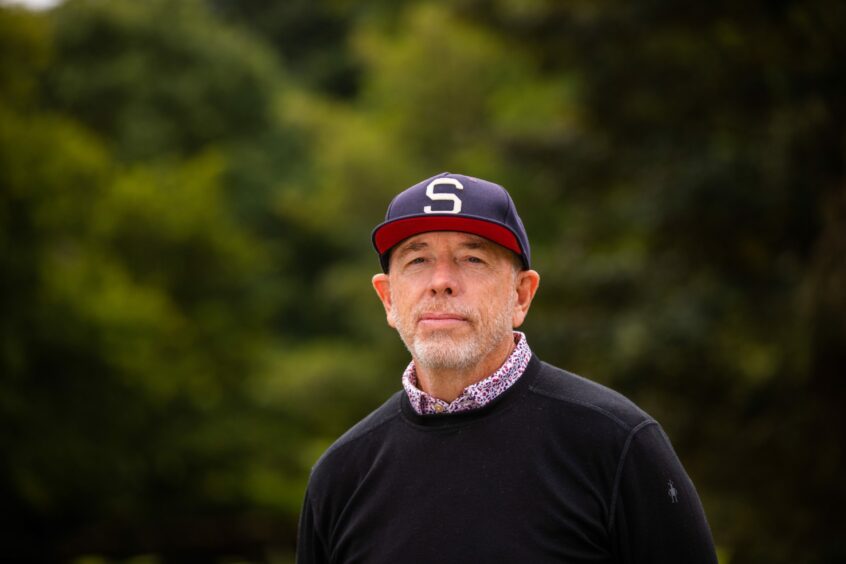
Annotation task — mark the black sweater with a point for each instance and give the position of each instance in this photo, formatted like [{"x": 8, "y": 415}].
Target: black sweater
[{"x": 556, "y": 469}]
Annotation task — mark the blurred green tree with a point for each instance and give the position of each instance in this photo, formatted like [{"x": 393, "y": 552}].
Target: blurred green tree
[
  {"x": 154, "y": 89},
  {"x": 137, "y": 300},
  {"x": 309, "y": 37}
]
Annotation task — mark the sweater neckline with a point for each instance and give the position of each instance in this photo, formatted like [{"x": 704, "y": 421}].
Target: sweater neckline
[{"x": 508, "y": 397}]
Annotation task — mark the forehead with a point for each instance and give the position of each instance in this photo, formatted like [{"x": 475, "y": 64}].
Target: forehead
[{"x": 446, "y": 238}]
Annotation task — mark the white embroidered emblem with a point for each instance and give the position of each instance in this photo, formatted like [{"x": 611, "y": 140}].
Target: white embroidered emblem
[
  {"x": 443, "y": 196},
  {"x": 672, "y": 492}
]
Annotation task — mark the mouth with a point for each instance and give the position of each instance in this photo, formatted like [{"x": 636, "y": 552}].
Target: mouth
[{"x": 441, "y": 320}]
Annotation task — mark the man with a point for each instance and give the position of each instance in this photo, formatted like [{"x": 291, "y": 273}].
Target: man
[{"x": 489, "y": 454}]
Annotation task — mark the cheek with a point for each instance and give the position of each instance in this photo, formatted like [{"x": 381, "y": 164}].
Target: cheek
[
  {"x": 392, "y": 318},
  {"x": 498, "y": 298},
  {"x": 501, "y": 290},
  {"x": 399, "y": 313}
]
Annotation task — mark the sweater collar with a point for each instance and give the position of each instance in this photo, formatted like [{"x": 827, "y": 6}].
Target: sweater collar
[{"x": 498, "y": 404}]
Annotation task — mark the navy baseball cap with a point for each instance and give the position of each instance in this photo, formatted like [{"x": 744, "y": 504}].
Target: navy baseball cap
[{"x": 452, "y": 202}]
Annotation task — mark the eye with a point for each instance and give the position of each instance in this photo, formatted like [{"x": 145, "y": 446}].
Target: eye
[
  {"x": 417, "y": 260},
  {"x": 475, "y": 260}
]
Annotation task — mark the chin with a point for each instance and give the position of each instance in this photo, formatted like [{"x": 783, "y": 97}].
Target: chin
[{"x": 446, "y": 353}]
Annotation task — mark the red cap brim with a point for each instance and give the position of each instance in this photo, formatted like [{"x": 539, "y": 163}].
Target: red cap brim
[{"x": 389, "y": 234}]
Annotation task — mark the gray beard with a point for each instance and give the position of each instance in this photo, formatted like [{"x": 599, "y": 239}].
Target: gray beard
[{"x": 440, "y": 351}]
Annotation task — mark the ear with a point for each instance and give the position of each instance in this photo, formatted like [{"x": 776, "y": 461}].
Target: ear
[
  {"x": 526, "y": 285},
  {"x": 382, "y": 285}
]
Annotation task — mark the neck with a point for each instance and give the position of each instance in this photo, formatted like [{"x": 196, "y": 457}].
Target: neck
[{"x": 447, "y": 383}]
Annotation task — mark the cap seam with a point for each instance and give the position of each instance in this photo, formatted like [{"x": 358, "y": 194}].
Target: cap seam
[{"x": 509, "y": 204}]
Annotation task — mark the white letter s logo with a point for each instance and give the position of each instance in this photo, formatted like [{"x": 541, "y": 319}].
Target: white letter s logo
[{"x": 435, "y": 196}]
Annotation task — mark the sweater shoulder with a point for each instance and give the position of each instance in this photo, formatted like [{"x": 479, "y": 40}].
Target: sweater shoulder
[
  {"x": 374, "y": 421},
  {"x": 566, "y": 387}
]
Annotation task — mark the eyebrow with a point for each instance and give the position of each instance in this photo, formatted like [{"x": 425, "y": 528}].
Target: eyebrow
[
  {"x": 413, "y": 246},
  {"x": 480, "y": 244}
]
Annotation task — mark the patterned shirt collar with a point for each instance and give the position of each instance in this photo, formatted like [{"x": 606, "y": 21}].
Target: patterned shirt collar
[{"x": 475, "y": 395}]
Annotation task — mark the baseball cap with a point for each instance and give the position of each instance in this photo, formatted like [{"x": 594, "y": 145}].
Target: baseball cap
[{"x": 452, "y": 202}]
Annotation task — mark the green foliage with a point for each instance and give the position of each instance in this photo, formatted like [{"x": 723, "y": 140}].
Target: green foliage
[
  {"x": 23, "y": 54},
  {"x": 155, "y": 89},
  {"x": 309, "y": 37},
  {"x": 186, "y": 193}
]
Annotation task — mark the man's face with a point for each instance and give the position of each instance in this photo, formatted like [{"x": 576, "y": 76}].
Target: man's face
[{"x": 453, "y": 297}]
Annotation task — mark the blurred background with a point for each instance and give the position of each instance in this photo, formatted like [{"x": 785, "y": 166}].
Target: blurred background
[{"x": 187, "y": 189}]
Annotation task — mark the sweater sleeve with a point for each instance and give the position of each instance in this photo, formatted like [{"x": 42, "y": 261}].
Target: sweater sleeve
[
  {"x": 657, "y": 515},
  {"x": 310, "y": 547}
]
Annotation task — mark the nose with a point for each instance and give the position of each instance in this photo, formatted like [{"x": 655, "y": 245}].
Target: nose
[{"x": 444, "y": 279}]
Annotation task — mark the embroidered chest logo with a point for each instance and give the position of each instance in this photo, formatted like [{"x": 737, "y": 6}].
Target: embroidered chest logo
[
  {"x": 672, "y": 492},
  {"x": 443, "y": 196}
]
